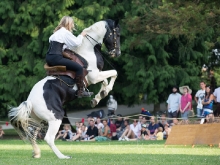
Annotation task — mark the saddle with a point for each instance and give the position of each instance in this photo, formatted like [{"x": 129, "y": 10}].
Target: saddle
[{"x": 61, "y": 70}]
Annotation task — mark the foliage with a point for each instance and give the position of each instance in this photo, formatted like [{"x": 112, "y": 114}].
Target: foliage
[
  {"x": 178, "y": 17},
  {"x": 156, "y": 60},
  {"x": 25, "y": 28}
]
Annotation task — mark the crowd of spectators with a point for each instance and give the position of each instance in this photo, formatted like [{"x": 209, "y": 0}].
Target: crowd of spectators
[
  {"x": 146, "y": 127},
  {"x": 119, "y": 128},
  {"x": 149, "y": 128}
]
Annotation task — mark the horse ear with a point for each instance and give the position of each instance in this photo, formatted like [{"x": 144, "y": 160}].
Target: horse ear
[{"x": 116, "y": 22}]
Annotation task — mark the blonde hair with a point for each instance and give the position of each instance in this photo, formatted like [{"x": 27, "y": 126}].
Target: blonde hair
[
  {"x": 160, "y": 129},
  {"x": 67, "y": 125},
  {"x": 66, "y": 22}
]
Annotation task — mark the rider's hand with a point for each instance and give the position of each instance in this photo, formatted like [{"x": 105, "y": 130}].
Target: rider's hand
[{"x": 83, "y": 33}]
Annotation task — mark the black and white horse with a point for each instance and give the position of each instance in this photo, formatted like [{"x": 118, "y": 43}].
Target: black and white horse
[{"x": 46, "y": 98}]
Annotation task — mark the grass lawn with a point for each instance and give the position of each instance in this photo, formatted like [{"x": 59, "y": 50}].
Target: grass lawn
[{"x": 16, "y": 152}]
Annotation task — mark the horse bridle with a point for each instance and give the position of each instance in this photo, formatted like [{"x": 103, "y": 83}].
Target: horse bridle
[{"x": 112, "y": 50}]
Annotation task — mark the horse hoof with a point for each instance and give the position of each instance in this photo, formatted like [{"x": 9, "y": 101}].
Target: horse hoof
[
  {"x": 103, "y": 94},
  {"x": 66, "y": 157},
  {"x": 93, "y": 103},
  {"x": 36, "y": 156}
]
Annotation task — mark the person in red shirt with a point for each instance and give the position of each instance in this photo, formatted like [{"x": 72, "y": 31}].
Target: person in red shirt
[
  {"x": 185, "y": 103},
  {"x": 113, "y": 130}
]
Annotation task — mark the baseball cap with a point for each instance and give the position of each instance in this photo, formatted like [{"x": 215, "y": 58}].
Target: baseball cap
[{"x": 144, "y": 125}]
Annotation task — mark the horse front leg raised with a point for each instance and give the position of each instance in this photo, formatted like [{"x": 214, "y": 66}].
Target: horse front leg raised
[{"x": 105, "y": 88}]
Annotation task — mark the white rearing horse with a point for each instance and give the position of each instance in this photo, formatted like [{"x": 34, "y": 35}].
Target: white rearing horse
[{"x": 46, "y": 98}]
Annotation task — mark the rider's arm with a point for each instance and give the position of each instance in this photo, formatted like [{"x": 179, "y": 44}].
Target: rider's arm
[{"x": 72, "y": 41}]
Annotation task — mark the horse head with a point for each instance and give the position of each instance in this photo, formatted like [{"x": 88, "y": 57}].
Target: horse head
[{"x": 112, "y": 38}]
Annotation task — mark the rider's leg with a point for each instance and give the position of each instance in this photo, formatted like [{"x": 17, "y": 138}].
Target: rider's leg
[{"x": 73, "y": 66}]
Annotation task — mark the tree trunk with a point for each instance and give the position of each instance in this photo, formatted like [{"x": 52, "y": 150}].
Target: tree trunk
[
  {"x": 66, "y": 121},
  {"x": 156, "y": 108}
]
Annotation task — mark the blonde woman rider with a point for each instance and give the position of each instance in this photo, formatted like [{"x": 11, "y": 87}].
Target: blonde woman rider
[{"x": 62, "y": 35}]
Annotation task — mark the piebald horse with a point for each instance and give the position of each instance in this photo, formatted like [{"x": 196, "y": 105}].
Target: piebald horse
[{"x": 44, "y": 103}]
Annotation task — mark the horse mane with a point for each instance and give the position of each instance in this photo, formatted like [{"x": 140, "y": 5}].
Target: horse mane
[{"x": 98, "y": 27}]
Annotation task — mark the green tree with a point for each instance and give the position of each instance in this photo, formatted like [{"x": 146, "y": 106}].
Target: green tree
[
  {"x": 25, "y": 27},
  {"x": 158, "y": 54}
]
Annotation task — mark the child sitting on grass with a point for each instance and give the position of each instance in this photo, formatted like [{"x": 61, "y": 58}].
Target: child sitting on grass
[
  {"x": 1, "y": 132},
  {"x": 160, "y": 134},
  {"x": 66, "y": 133},
  {"x": 144, "y": 135}
]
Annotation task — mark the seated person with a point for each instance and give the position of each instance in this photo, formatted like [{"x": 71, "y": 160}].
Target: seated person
[
  {"x": 113, "y": 130},
  {"x": 1, "y": 132},
  {"x": 167, "y": 131},
  {"x": 104, "y": 134},
  {"x": 163, "y": 120},
  {"x": 92, "y": 130},
  {"x": 160, "y": 134},
  {"x": 144, "y": 120},
  {"x": 140, "y": 119},
  {"x": 144, "y": 135},
  {"x": 175, "y": 122},
  {"x": 152, "y": 128},
  {"x": 66, "y": 133},
  {"x": 99, "y": 124},
  {"x": 77, "y": 126},
  {"x": 88, "y": 120},
  {"x": 132, "y": 132},
  {"x": 119, "y": 122},
  {"x": 81, "y": 134},
  {"x": 120, "y": 127}
]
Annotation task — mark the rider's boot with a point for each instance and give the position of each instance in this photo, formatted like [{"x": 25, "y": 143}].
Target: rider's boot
[{"x": 80, "y": 85}]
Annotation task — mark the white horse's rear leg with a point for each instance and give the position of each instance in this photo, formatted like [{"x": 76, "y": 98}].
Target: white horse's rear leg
[
  {"x": 50, "y": 137},
  {"x": 36, "y": 149}
]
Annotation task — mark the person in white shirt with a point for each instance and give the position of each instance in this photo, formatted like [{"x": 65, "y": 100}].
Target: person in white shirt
[
  {"x": 173, "y": 104},
  {"x": 99, "y": 124},
  {"x": 132, "y": 132},
  {"x": 200, "y": 95},
  {"x": 111, "y": 105},
  {"x": 61, "y": 37}
]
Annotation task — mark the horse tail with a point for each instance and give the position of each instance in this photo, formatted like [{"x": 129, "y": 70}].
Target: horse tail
[
  {"x": 20, "y": 119},
  {"x": 21, "y": 113}
]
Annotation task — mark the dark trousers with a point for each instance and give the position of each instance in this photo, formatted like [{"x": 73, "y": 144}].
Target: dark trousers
[
  {"x": 111, "y": 112},
  {"x": 172, "y": 115},
  {"x": 56, "y": 59},
  {"x": 217, "y": 110}
]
